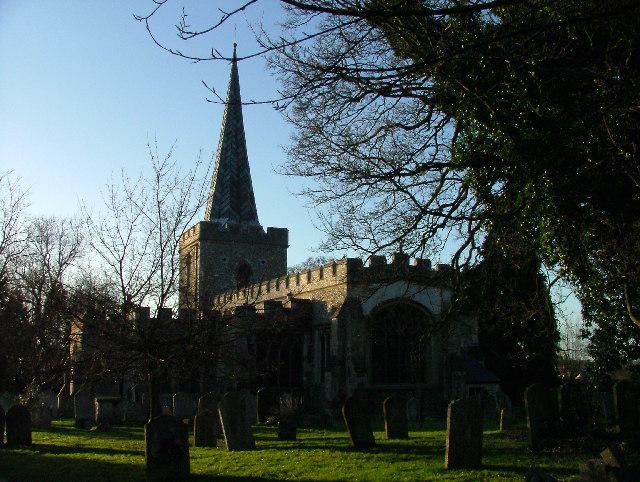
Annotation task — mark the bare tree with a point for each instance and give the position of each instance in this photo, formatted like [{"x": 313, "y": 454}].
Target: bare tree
[
  {"x": 13, "y": 204},
  {"x": 137, "y": 236}
]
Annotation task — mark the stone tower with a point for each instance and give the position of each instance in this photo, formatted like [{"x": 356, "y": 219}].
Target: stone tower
[{"x": 229, "y": 249}]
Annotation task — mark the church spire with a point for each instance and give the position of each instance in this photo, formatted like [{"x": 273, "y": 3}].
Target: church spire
[{"x": 231, "y": 198}]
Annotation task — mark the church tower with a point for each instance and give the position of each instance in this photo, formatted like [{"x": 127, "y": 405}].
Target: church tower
[{"x": 229, "y": 249}]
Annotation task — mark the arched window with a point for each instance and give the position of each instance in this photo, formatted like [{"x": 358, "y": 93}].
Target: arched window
[
  {"x": 243, "y": 275},
  {"x": 400, "y": 343}
]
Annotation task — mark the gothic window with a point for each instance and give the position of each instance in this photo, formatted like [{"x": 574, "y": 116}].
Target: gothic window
[
  {"x": 334, "y": 269},
  {"x": 400, "y": 343},
  {"x": 321, "y": 272},
  {"x": 308, "y": 276},
  {"x": 243, "y": 275}
]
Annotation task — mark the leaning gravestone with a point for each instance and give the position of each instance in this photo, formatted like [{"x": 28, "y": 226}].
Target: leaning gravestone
[
  {"x": 204, "y": 429},
  {"x": 625, "y": 401},
  {"x": 82, "y": 409},
  {"x": 356, "y": 417},
  {"x": 235, "y": 426},
  {"x": 2, "y": 418},
  {"x": 41, "y": 417},
  {"x": 541, "y": 404},
  {"x": 18, "y": 423},
  {"x": 395, "y": 417},
  {"x": 464, "y": 434},
  {"x": 166, "y": 449},
  {"x": 183, "y": 406},
  {"x": 251, "y": 406}
]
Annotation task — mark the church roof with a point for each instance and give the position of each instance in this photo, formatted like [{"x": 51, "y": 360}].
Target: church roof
[{"x": 231, "y": 199}]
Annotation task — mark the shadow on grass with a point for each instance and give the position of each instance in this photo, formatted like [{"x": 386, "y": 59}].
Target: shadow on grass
[
  {"x": 519, "y": 469},
  {"x": 30, "y": 465},
  {"x": 121, "y": 432},
  {"x": 61, "y": 449}
]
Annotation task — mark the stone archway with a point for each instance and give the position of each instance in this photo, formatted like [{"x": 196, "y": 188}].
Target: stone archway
[{"x": 400, "y": 343}]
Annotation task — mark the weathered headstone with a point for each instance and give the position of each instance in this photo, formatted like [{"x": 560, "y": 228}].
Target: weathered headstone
[
  {"x": 18, "y": 425},
  {"x": 134, "y": 412},
  {"x": 2, "y": 423},
  {"x": 251, "y": 405},
  {"x": 82, "y": 409},
  {"x": 288, "y": 417},
  {"x": 166, "y": 449},
  {"x": 183, "y": 406},
  {"x": 355, "y": 412},
  {"x": 489, "y": 406},
  {"x": 413, "y": 410},
  {"x": 464, "y": 434},
  {"x": 574, "y": 408},
  {"x": 267, "y": 403},
  {"x": 541, "y": 404},
  {"x": 209, "y": 401},
  {"x": 395, "y": 417},
  {"x": 625, "y": 399},
  {"x": 504, "y": 420},
  {"x": 105, "y": 410},
  {"x": 63, "y": 401},
  {"x": 235, "y": 426},
  {"x": 41, "y": 417},
  {"x": 166, "y": 403},
  {"x": 204, "y": 429}
]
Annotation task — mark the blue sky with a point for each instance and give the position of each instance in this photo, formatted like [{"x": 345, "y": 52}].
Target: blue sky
[{"x": 83, "y": 87}]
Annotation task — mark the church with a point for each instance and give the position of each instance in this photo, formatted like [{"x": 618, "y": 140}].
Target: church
[{"x": 380, "y": 327}]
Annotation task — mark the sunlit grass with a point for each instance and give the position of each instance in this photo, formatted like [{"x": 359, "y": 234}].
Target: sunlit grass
[{"x": 66, "y": 454}]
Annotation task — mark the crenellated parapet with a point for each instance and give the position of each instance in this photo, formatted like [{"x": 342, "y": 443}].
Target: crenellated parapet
[
  {"x": 234, "y": 233},
  {"x": 343, "y": 271}
]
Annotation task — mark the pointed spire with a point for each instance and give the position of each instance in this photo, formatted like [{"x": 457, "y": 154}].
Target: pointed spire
[{"x": 231, "y": 198}]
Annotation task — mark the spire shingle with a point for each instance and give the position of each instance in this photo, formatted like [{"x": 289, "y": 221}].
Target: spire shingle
[{"x": 231, "y": 198}]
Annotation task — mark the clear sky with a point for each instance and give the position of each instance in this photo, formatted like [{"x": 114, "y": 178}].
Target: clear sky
[{"x": 83, "y": 87}]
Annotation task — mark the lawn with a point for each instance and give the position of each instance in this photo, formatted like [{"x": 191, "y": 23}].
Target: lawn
[{"x": 66, "y": 454}]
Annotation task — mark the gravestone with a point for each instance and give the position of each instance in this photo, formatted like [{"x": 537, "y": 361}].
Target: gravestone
[
  {"x": 625, "y": 401},
  {"x": 235, "y": 426},
  {"x": 18, "y": 426},
  {"x": 209, "y": 401},
  {"x": 204, "y": 429},
  {"x": 413, "y": 410},
  {"x": 355, "y": 412},
  {"x": 464, "y": 434},
  {"x": 134, "y": 412},
  {"x": 50, "y": 400},
  {"x": 166, "y": 403},
  {"x": 183, "y": 406},
  {"x": 64, "y": 402},
  {"x": 574, "y": 408},
  {"x": 251, "y": 405},
  {"x": 105, "y": 409},
  {"x": 82, "y": 409},
  {"x": 541, "y": 404},
  {"x": 489, "y": 405},
  {"x": 395, "y": 417},
  {"x": 504, "y": 420},
  {"x": 267, "y": 403},
  {"x": 166, "y": 449},
  {"x": 2, "y": 423},
  {"x": 41, "y": 417},
  {"x": 288, "y": 417}
]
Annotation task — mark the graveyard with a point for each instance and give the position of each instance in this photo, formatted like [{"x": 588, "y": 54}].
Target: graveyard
[{"x": 66, "y": 453}]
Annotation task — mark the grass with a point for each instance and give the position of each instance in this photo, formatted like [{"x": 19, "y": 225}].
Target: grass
[{"x": 66, "y": 454}]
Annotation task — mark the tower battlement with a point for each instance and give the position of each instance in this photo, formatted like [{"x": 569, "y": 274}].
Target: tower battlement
[{"x": 234, "y": 233}]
